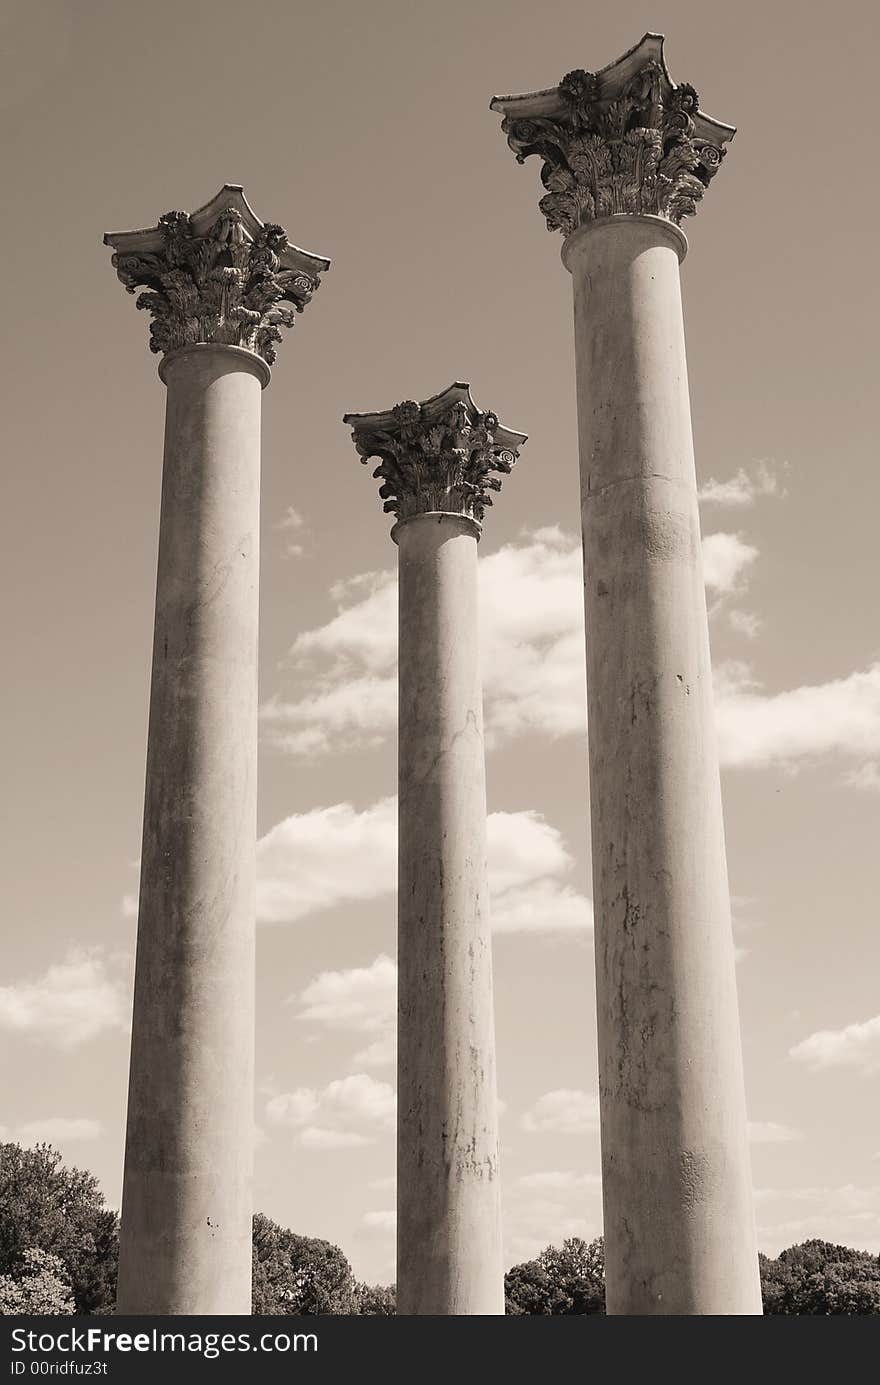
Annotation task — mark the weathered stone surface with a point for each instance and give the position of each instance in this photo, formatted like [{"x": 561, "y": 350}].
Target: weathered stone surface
[
  {"x": 185, "y": 1244},
  {"x": 626, "y": 154},
  {"x": 624, "y": 139},
  {"x": 438, "y": 455},
  {"x": 219, "y": 275},
  {"x": 215, "y": 281},
  {"x": 679, "y": 1223}
]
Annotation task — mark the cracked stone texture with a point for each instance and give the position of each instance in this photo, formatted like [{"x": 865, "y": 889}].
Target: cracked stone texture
[
  {"x": 449, "y": 1224},
  {"x": 186, "y": 1212},
  {"x": 679, "y": 1223}
]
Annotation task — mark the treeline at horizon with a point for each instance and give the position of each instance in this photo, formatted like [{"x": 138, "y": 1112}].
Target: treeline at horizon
[{"x": 59, "y": 1246}]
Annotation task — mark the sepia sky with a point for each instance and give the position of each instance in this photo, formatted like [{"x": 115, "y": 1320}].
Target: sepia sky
[{"x": 364, "y": 129}]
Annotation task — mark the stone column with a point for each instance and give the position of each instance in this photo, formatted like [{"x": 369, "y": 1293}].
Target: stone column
[
  {"x": 626, "y": 154},
  {"x": 214, "y": 281},
  {"x": 436, "y": 461}
]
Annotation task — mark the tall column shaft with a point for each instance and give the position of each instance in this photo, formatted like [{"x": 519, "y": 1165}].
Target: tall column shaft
[
  {"x": 186, "y": 1215},
  {"x": 679, "y": 1227},
  {"x": 448, "y": 1202}
]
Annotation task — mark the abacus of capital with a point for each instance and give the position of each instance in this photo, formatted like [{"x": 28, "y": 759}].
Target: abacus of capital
[
  {"x": 214, "y": 282},
  {"x": 625, "y": 155},
  {"x": 436, "y": 462}
]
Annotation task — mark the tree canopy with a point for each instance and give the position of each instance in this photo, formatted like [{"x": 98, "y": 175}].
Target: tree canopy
[
  {"x": 296, "y": 1275},
  {"x": 41, "y": 1288},
  {"x": 60, "y": 1211},
  {"x": 59, "y": 1254},
  {"x": 376, "y": 1300},
  {"x": 559, "y": 1281},
  {"x": 817, "y": 1277}
]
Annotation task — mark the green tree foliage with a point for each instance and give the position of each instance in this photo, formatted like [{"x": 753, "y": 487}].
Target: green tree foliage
[
  {"x": 820, "y": 1278},
  {"x": 570, "y": 1280},
  {"x": 295, "y": 1275},
  {"x": 40, "y": 1287},
  {"x": 45, "y": 1206},
  {"x": 376, "y": 1300}
]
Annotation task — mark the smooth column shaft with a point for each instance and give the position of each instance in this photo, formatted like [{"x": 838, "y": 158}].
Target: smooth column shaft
[
  {"x": 448, "y": 1202},
  {"x": 679, "y": 1225},
  {"x": 186, "y": 1215}
]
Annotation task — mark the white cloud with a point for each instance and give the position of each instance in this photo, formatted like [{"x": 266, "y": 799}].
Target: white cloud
[
  {"x": 758, "y": 729},
  {"x": 292, "y": 1108},
  {"x": 328, "y": 856},
  {"x": 362, "y": 1000},
  {"x": 845, "y": 1215},
  {"x": 866, "y": 777},
  {"x": 291, "y": 519},
  {"x": 532, "y": 647},
  {"x": 532, "y": 628},
  {"x": 317, "y": 1137},
  {"x": 299, "y": 871},
  {"x": 746, "y": 623},
  {"x": 346, "y": 1114},
  {"x": 533, "y": 667},
  {"x": 772, "y": 1133},
  {"x": 129, "y": 906},
  {"x": 58, "y": 1130},
  {"x": 73, "y": 1002},
  {"x": 526, "y": 857},
  {"x": 383, "y": 1221},
  {"x": 343, "y": 713},
  {"x": 290, "y": 522},
  {"x": 856, "y": 1046},
  {"x": 521, "y": 848},
  {"x": 726, "y": 558},
  {"x": 561, "y": 1181},
  {"x": 534, "y": 1224},
  {"x": 743, "y": 489},
  {"x": 565, "y": 1111},
  {"x": 545, "y": 906},
  {"x": 364, "y": 628}
]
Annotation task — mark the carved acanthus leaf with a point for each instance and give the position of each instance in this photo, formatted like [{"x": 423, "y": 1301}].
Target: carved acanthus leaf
[
  {"x": 225, "y": 286},
  {"x": 639, "y": 147},
  {"x": 437, "y": 461}
]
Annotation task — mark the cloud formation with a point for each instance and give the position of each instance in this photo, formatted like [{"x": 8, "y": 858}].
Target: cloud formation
[
  {"x": 531, "y": 615},
  {"x": 848, "y": 1214},
  {"x": 565, "y": 1111},
  {"x": 772, "y": 1133},
  {"x": 561, "y": 1181},
  {"x": 532, "y": 625},
  {"x": 299, "y": 871},
  {"x": 726, "y": 559},
  {"x": 299, "y": 860},
  {"x": 57, "y": 1130},
  {"x": 533, "y": 655},
  {"x": 866, "y": 777},
  {"x": 360, "y": 1000},
  {"x": 289, "y": 523},
  {"x": 757, "y": 729},
  {"x": 71, "y": 1003},
  {"x": 743, "y": 489},
  {"x": 856, "y": 1046},
  {"x": 346, "y": 1114}
]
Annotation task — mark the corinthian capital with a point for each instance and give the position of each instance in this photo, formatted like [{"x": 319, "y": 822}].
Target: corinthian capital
[
  {"x": 438, "y": 455},
  {"x": 219, "y": 275},
  {"x": 624, "y": 139}
]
